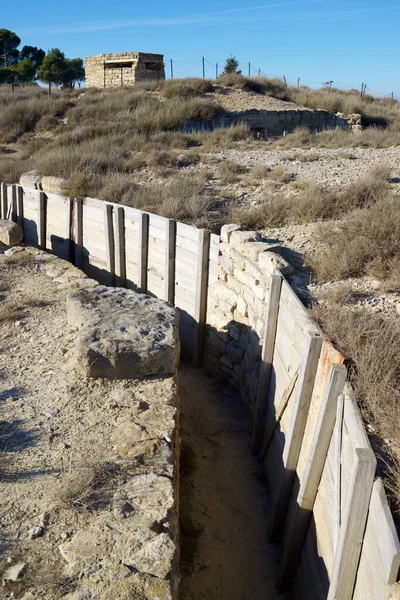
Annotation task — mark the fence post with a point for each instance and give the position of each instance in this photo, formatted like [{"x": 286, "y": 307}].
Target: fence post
[
  {"x": 78, "y": 233},
  {"x": 120, "y": 256},
  {"x": 201, "y": 296},
  {"x": 110, "y": 249},
  {"x": 267, "y": 355},
  {"x": 3, "y": 203},
  {"x": 352, "y": 528},
  {"x": 291, "y": 452},
  {"x": 299, "y": 516},
  {"x": 169, "y": 279},
  {"x": 20, "y": 206},
  {"x": 13, "y": 216},
  {"x": 42, "y": 220},
  {"x": 143, "y": 252}
]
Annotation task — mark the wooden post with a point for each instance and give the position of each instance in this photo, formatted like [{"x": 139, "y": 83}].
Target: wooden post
[
  {"x": 201, "y": 296},
  {"x": 284, "y": 79},
  {"x": 20, "y": 206},
  {"x": 298, "y": 82},
  {"x": 78, "y": 233},
  {"x": 42, "y": 220},
  {"x": 267, "y": 355},
  {"x": 355, "y": 512},
  {"x": 13, "y": 212},
  {"x": 120, "y": 256},
  {"x": 143, "y": 251},
  {"x": 337, "y": 475},
  {"x": 204, "y": 68},
  {"x": 172, "y": 70},
  {"x": 110, "y": 251},
  {"x": 3, "y": 207},
  {"x": 298, "y": 419},
  {"x": 300, "y": 512},
  {"x": 249, "y": 69},
  {"x": 169, "y": 278}
]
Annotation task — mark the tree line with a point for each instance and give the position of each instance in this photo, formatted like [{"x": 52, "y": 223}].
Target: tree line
[{"x": 33, "y": 64}]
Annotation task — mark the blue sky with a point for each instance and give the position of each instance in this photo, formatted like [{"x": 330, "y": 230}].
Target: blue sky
[{"x": 349, "y": 42}]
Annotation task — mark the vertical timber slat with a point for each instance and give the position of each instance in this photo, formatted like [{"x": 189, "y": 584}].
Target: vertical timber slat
[
  {"x": 169, "y": 291},
  {"x": 110, "y": 249},
  {"x": 352, "y": 529},
  {"x": 120, "y": 256},
  {"x": 13, "y": 207},
  {"x": 337, "y": 475},
  {"x": 78, "y": 233},
  {"x": 42, "y": 220},
  {"x": 301, "y": 403},
  {"x": 143, "y": 252},
  {"x": 201, "y": 296},
  {"x": 299, "y": 517},
  {"x": 267, "y": 354},
  {"x": 3, "y": 206},
  {"x": 20, "y": 206}
]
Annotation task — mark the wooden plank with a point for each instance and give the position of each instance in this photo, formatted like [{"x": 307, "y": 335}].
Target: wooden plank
[
  {"x": 185, "y": 256},
  {"x": 267, "y": 355},
  {"x": 201, "y": 295},
  {"x": 157, "y": 221},
  {"x": 120, "y": 255},
  {"x": 78, "y": 233},
  {"x": 186, "y": 244},
  {"x": 169, "y": 291},
  {"x": 20, "y": 206},
  {"x": 187, "y": 231},
  {"x": 4, "y": 202},
  {"x": 301, "y": 507},
  {"x": 13, "y": 211},
  {"x": 298, "y": 312},
  {"x": 298, "y": 418},
  {"x": 290, "y": 353},
  {"x": 110, "y": 246},
  {"x": 337, "y": 494},
  {"x": 143, "y": 248},
  {"x": 355, "y": 514}
]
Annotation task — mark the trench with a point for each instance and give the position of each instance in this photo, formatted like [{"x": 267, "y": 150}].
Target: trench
[{"x": 225, "y": 554}]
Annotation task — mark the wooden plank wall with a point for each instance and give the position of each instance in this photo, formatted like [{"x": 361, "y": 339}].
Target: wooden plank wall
[{"x": 333, "y": 520}]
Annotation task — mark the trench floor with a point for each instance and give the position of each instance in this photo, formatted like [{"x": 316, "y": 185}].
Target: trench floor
[{"x": 225, "y": 554}]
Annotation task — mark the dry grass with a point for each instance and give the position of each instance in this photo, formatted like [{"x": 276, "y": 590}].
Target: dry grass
[
  {"x": 229, "y": 171},
  {"x": 84, "y": 485},
  {"x": 372, "y": 137},
  {"x": 366, "y": 242},
  {"x": 371, "y": 342},
  {"x": 186, "y": 88}
]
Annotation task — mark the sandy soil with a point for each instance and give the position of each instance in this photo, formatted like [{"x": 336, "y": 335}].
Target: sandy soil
[{"x": 224, "y": 549}]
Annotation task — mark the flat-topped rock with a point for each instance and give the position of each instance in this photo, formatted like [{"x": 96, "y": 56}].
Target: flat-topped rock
[
  {"x": 11, "y": 233},
  {"x": 123, "y": 334}
]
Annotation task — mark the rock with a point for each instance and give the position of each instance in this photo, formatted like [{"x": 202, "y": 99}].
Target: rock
[
  {"x": 54, "y": 185},
  {"x": 151, "y": 553},
  {"x": 15, "y": 572},
  {"x": 123, "y": 334},
  {"x": 269, "y": 261},
  {"x": 31, "y": 179},
  {"x": 35, "y": 532},
  {"x": 226, "y": 231},
  {"x": 11, "y": 233}
]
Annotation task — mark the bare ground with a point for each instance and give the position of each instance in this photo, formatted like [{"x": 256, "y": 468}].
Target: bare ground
[{"x": 224, "y": 549}]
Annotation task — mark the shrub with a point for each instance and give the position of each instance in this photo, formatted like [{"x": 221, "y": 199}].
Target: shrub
[
  {"x": 228, "y": 171},
  {"x": 368, "y": 239},
  {"x": 186, "y": 88}
]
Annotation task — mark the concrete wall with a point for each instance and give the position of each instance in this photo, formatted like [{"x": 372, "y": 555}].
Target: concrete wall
[{"x": 122, "y": 69}]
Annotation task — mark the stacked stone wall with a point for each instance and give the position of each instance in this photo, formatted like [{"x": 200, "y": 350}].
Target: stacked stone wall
[
  {"x": 100, "y": 73},
  {"x": 236, "y": 317}
]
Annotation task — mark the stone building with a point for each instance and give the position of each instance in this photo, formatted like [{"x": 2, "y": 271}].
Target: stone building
[{"x": 124, "y": 68}]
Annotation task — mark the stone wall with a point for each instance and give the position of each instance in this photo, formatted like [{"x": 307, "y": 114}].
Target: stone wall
[
  {"x": 276, "y": 123},
  {"x": 236, "y": 316},
  {"x": 124, "y": 68}
]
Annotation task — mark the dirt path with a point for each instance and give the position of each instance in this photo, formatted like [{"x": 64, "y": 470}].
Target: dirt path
[{"x": 225, "y": 554}]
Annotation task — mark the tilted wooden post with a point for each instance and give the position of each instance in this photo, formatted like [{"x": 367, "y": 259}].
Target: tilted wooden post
[
  {"x": 301, "y": 402},
  {"x": 143, "y": 252},
  {"x": 120, "y": 256},
  {"x": 201, "y": 296},
  {"x": 42, "y": 220},
  {"x": 3, "y": 203},
  {"x": 300, "y": 513},
  {"x": 169, "y": 291},
  {"x": 78, "y": 233},
  {"x": 267, "y": 355},
  {"x": 110, "y": 250}
]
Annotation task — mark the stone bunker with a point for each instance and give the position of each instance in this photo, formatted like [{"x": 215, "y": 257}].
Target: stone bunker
[{"x": 123, "y": 68}]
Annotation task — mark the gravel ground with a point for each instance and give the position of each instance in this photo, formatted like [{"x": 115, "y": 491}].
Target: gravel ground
[{"x": 240, "y": 100}]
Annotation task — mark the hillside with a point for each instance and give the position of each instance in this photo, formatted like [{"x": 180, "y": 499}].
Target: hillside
[{"x": 331, "y": 197}]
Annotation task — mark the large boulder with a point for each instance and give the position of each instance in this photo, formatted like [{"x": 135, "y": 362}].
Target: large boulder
[
  {"x": 123, "y": 334},
  {"x": 31, "y": 179},
  {"x": 11, "y": 233}
]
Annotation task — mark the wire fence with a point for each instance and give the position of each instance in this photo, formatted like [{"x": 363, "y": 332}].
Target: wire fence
[{"x": 211, "y": 69}]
